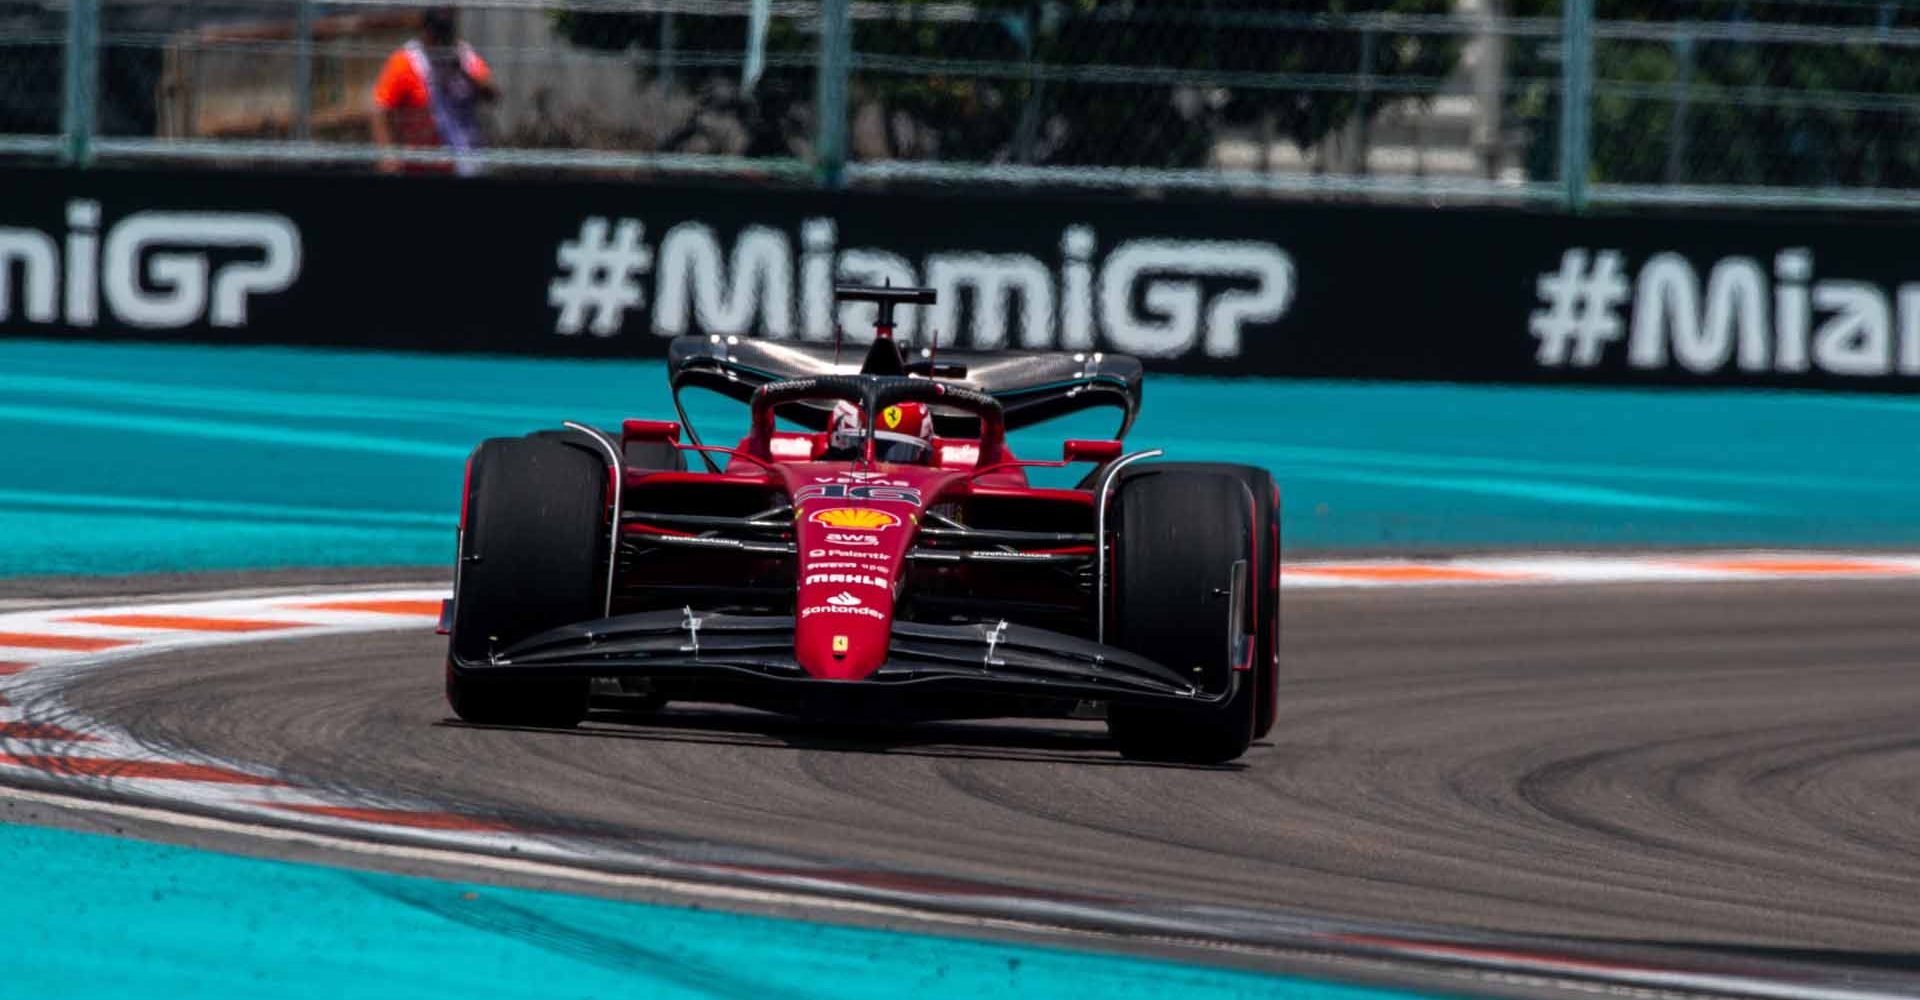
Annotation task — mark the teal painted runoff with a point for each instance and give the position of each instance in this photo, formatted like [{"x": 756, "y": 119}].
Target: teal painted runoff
[
  {"x": 131, "y": 458},
  {"x": 97, "y": 916}
]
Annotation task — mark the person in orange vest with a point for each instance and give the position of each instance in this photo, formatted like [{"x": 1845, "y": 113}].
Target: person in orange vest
[{"x": 430, "y": 92}]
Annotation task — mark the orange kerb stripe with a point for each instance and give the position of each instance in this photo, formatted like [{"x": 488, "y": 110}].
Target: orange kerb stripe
[
  {"x": 1794, "y": 566},
  {"x": 184, "y": 623},
  {"x": 41, "y": 731},
  {"x": 82, "y": 644},
  {"x": 1400, "y": 573},
  {"x": 429, "y": 609},
  {"x": 101, "y": 767},
  {"x": 396, "y": 817}
]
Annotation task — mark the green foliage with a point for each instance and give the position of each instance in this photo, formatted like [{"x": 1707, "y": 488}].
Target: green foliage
[
  {"x": 1000, "y": 87},
  {"x": 1129, "y": 119},
  {"x": 1736, "y": 112}
]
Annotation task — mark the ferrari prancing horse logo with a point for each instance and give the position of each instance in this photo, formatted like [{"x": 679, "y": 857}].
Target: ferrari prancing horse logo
[{"x": 891, "y": 417}]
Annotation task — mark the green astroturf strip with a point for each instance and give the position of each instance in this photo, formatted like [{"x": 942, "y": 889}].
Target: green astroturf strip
[
  {"x": 97, "y": 916},
  {"x": 130, "y": 458}
]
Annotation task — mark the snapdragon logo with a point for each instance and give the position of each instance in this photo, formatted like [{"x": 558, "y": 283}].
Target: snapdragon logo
[
  {"x": 1152, "y": 297},
  {"x": 150, "y": 269}
]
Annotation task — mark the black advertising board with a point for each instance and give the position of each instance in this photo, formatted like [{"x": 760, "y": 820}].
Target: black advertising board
[{"x": 1201, "y": 286}]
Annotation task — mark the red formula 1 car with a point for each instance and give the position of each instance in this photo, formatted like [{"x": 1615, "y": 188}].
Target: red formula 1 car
[{"x": 818, "y": 568}]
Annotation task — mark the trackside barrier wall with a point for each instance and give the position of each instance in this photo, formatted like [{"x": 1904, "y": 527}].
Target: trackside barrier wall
[{"x": 1205, "y": 287}]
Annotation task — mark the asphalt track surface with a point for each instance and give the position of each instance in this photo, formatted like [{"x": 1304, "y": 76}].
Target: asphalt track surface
[{"x": 1731, "y": 764}]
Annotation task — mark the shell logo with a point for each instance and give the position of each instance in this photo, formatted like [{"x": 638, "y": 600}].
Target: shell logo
[{"x": 855, "y": 518}]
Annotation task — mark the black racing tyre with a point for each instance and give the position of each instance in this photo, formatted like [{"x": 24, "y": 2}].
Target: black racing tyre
[
  {"x": 1183, "y": 532},
  {"x": 653, "y": 456},
  {"x": 533, "y": 558},
  {"x": 1266, "y": 663}
]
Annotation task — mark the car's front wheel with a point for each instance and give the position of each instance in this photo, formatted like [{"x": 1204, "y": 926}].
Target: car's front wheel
[
  {"x": 1188, "y": 591},
  {"x": 532, "y": 558}
]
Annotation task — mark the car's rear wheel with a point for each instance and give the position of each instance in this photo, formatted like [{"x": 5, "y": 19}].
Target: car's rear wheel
[
  {"x": 650, "y": 456},
  {"x": 654, "y": 455},
  {"x": 657, "y": 456},
  {"x": 533, "y": 558},
  {"x": 1188, "y": 591},
  {"x": 1266, "y": 662}
]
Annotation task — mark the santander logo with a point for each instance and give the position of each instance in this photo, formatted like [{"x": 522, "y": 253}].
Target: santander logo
[{"x": 844, "y": 600}]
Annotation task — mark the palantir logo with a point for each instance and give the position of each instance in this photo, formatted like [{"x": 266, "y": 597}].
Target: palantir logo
[{"x": 151, "y": 270}]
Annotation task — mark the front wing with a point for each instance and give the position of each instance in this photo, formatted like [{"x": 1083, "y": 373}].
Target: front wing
[{"x": 1000, "y": 657}]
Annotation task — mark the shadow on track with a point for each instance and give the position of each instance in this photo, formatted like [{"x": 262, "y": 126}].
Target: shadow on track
[{"x": 970, "y": 740}]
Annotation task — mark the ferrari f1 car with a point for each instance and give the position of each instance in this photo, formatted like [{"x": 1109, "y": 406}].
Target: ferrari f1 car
[{"x": 779, "y": 574}]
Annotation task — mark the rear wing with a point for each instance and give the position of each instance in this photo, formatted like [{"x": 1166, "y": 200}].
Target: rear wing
[{"x": 1031, "y": 386}]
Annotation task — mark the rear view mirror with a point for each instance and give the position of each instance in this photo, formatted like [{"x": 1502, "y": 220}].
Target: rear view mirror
[
  {"x": 650, "y": 430},
  {"x": 1090, "y": 451}
]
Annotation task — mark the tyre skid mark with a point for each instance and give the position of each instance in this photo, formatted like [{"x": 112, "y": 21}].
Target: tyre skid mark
[{"x": 105, "y": 765}]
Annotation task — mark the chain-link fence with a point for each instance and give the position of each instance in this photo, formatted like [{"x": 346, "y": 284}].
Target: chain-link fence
[
  {"x": 1790, "y": 101},
  {"x": 611, "y": 88},
  {"x": 1409, "y": 95},
  {"x": 33, "y": 40},
  {"x": 1811, "y": 96}
]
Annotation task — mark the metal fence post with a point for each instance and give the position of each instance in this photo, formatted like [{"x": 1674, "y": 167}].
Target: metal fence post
[
  {"x": 830, "y": 92},
  {"x": 303, "y": 70},
  {"x": 1576, "y": 100},
  {"x": 756, "y": 61},
  {"x": 82, "y": 81},
  {"x": 669, "y": 41},
  {"x": 1677, "y": 134}
]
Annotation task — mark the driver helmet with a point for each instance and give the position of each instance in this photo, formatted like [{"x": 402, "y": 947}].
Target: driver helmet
[{"x": 904, "y": 433}]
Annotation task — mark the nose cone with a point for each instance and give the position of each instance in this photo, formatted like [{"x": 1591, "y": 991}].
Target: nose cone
[{"x": 849, "y": 566}]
